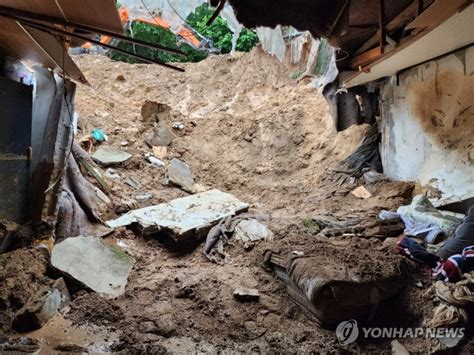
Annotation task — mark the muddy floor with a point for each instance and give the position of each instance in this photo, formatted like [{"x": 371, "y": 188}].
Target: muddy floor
[{"x": 250, "y": 130}]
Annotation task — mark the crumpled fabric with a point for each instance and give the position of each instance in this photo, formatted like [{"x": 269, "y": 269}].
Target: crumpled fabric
[
  {"x": 423, "y": 220},
  {"x": 218, "y": 237},
  {"x": 458, "y": 294},
  {"x": 454, "y": 299},
  {"x": 446, "y": 315}
]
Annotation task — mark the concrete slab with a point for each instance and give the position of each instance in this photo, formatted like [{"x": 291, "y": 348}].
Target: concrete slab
[
  {"x": 190, "y": 216},
  {"x": 89, "y": 261},
  {"x": 110, "y": 156}
]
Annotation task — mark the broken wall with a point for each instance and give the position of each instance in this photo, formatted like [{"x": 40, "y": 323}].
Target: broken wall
[{"x": 427, "y": 125}]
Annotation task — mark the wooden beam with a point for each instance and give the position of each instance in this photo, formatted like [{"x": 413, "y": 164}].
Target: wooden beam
[
  {"x": 381, "y": 25},
  {"x": 366, "y": 57},
  {"x": 396, "y": 23}
]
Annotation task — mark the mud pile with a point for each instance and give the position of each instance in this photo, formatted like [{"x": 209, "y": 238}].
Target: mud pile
[{"x": 249, "y": 129}]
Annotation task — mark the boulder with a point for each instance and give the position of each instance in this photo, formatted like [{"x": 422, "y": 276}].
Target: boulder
[{"x": 159, "y": 136}]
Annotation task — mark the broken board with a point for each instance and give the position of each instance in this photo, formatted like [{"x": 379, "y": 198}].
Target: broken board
[{"x": 190, "y": 216}]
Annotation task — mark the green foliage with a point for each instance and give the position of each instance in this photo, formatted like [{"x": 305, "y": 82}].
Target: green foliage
[
  {"x": 219, "y": 33},
  {"x": 155, "y": 34}
]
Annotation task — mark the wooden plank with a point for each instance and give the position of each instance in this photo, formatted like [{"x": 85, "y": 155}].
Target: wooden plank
[
  {"x": 366, "y": 57},
  {"x": 437, "y": 13}
]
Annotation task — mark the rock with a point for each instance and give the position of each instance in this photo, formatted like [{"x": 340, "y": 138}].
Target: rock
[
  {"x": 179, "y": 174},
  {"x": 159, "y": 136},
  {"x": 178, "y": 125},
  {"x": 109, "y": 156},
  {"x": 91, "y": 263},
  {"x": 140, "y": 198},
  {"x": 71, "y": 349},
  {"x": 132, "y": 183},
  {"x": 166, "y": 326},
  {"x": 160, "y": 152},
  {"x": 41, "y": 307},
  {"x": 398, "y": 349},
  {"x": 153, "y": 111},
  {"x": 362, "y": 193},
  {"x": 246, "y": 295},
  {"x": 191, "y": 216},
  {"x": 251, "y": 230}
]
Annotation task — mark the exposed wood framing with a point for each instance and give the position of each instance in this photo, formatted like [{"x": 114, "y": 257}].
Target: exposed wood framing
[
  {"x": 366, "y": 57},
  {"x": 381, "y": 25},
  {"x": 398, "y": 22}
]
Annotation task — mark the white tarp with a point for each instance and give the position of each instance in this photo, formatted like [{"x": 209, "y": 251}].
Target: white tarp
[{"x": 272, "y": 41}]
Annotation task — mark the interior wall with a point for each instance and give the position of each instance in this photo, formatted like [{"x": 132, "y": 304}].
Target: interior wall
[{"x": 428, "y": 124}]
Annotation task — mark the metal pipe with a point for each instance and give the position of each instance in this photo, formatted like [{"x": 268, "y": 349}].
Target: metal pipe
[{"x": 86, "y": 28}]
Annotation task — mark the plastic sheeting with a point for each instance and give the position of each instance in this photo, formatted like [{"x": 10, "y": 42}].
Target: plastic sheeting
[{"x": 272, "y": 41}]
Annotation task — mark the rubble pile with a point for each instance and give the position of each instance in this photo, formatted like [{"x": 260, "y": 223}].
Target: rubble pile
[{"x": 222, "y": 198}]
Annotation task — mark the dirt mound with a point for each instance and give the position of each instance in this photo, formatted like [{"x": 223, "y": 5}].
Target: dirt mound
[
  {"x": 22, "y": 274},
  {"x": 249, "y": 128}
]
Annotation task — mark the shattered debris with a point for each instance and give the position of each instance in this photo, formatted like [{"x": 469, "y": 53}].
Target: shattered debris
[{"x": 91, "y": 263}]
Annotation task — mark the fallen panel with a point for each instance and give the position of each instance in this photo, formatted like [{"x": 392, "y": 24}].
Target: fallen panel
[
  {"x": 101, "y": 268},
  {"x": 184, "y": 217}
]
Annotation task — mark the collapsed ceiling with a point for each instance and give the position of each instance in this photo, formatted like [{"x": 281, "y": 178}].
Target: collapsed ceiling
[{"x": 364, "y": 30}]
